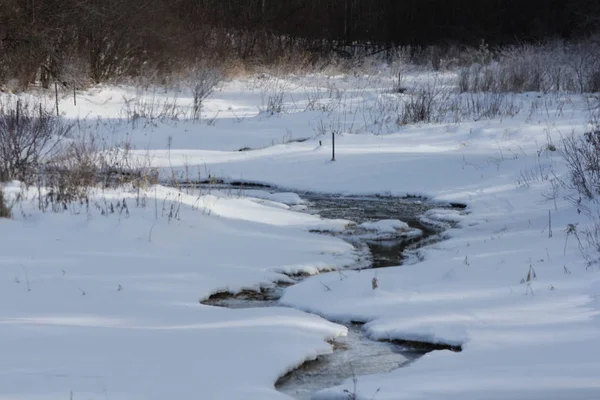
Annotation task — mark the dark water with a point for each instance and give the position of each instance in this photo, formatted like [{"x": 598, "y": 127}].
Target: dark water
[
  {"x": 355, "y": 354},
  {"x": 384, "y": 251}
]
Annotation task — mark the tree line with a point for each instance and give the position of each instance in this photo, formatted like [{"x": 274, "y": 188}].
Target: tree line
[{"x": 57, "y": 40}]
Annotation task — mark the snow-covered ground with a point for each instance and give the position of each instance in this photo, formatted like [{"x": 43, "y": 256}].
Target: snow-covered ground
[{"x": 107, "y": 306}]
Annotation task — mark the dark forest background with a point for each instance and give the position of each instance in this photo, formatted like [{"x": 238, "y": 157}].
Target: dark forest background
[{"x": 99, "y": 40}]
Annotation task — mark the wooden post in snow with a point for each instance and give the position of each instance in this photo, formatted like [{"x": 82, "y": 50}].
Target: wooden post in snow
[{"x": 332, "y": 146}]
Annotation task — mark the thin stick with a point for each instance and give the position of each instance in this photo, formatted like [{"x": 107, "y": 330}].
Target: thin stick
[
  {"x": 26, "y": 278},
  {"x": 56, "y": 97},
  {"x": 150, "y": 234}
]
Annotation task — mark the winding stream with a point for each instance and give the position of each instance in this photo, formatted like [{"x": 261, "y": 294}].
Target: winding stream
[{"x": 355, "y": 354}]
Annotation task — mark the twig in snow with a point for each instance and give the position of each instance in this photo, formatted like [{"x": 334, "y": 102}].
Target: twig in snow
[
  {"x": 150, "y": 233},
  {"x": 529, "y": 289},
  {"x": 353, "y": 395},
  {"x": 378, "y": 389},
  {"x": 26, "y": 278}
]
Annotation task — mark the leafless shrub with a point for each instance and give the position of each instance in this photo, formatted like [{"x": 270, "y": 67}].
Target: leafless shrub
[
  {"x": 434, "y": 102},
  {"x": 314, "y": 100},
  {"x": 119, "y": 167},
  {"x": 592, "y": 235},
  {"x": 582, "y": 154},
  {"x": 378, "y": 115},
  {"x": 426, "y": 104},
  {"x": 326, "y": 101},
  {"x": 274, "y": 103},
  {"x": 272, "y": 94},
  {"x": 399, "y": 82},
  {"x": 335, "y": 126},
  {"x": 522, "y": 70},
  {"x": 584, "y": 64},
  {"x": 204, "y": 81},
  {"x": 508, "y": 75},
  {"x": 29, "y": 136},
  {"x": 464, "y": 79},
  {"x": 418, "y": 108},
  {"x": 487, "y": 105},
  {"x": 77, "y": 168},
  {"x": 588, "y": 240},
  {"x": 86, "y": 162},
  {"x": 448, "y": 56},
  {"x": 149, "y": 107}
]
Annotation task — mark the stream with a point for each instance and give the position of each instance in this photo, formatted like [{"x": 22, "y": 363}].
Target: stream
[{"x": 353, "y": 355}]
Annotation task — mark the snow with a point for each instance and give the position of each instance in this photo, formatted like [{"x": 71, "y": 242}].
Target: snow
[
  {"x": 382, "y": 231},
  {"x": 441, "y": 218},
  {"x": 288, "y": 199},
  {"x": 386, "y": 225},
  {"x": 107, "y": 306}
]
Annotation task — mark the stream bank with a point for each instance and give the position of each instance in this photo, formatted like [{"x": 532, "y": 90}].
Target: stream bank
[{"x": 389, "y": 230}]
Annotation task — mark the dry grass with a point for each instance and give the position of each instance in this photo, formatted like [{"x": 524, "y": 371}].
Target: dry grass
[{"x": 5, "y": 211}]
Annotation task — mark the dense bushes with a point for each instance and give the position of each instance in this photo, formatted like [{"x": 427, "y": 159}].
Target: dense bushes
[
  {"x": 553, "y": 66},
  {"x": 38, "y": 148},
  {"x": 76, "y": 42}
]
